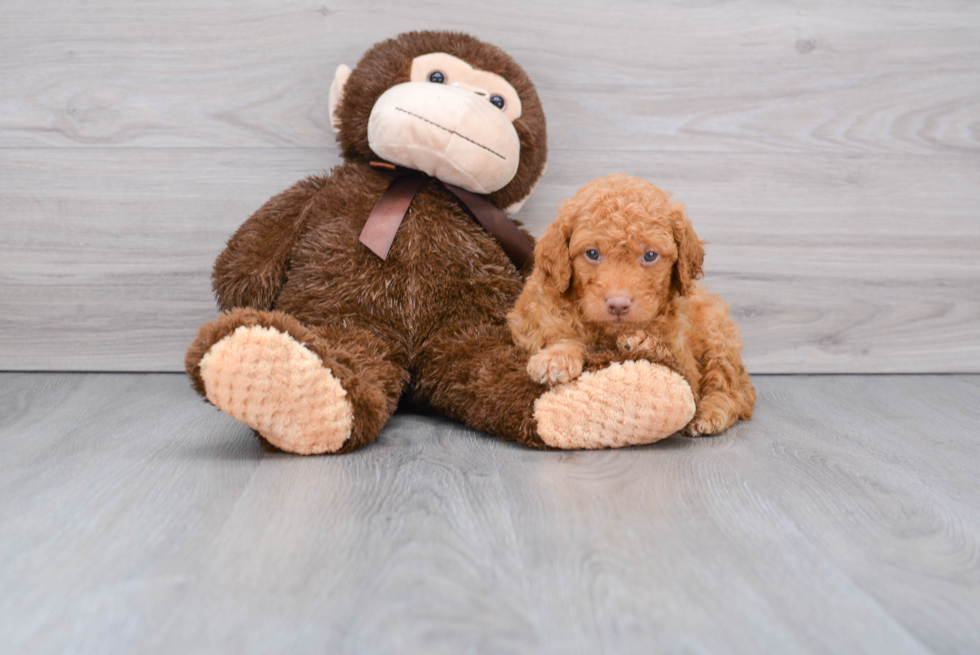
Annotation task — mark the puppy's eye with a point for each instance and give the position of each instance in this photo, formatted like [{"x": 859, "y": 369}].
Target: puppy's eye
[
  {"x": 592, "y": 254},
  {"x": 650, "y": 256},
  {"x": 437, "y": 77}
]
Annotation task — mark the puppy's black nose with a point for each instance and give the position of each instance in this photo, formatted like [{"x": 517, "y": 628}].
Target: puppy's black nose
[{"x": 618, "y": 305}]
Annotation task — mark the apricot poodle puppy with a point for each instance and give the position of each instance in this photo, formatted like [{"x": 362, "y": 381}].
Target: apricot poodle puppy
[{"x": 617, "y": 270}]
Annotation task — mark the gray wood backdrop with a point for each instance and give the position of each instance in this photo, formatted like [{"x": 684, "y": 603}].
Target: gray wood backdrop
[{"x": 828, "y": 151}]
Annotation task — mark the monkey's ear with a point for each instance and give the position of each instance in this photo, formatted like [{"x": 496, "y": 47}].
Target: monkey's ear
[
  {"x": 690, "y": 250},
  {"x": 337, "y": 92}
]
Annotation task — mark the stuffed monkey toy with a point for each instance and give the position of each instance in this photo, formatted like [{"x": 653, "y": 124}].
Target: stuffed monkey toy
[{"x": 394, "y": 274}]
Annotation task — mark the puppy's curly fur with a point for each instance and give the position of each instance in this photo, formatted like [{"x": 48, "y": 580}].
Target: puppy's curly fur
[{"x": 617, "y": 269}]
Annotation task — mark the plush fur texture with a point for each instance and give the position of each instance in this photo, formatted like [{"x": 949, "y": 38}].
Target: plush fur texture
[
  {"x": 429, "y": 322},
  {"x": 618, "y": 269}
]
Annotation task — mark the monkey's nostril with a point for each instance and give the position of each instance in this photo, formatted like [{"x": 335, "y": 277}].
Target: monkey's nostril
[{"x": 618, "y": 305}]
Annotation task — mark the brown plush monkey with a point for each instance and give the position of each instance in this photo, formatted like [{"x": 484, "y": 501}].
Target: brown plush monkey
[{"x": 320, "y": 337}]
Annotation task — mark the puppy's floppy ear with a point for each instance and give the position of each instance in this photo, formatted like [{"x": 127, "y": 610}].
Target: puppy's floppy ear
[
  {"x": 690, "y": 250},
  {"x": 551, "y": 258}
]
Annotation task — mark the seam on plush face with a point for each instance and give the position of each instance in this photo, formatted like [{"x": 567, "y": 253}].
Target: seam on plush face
[
  {"x": 450, "y": 131},
  {"x": 453, "y": 132}
]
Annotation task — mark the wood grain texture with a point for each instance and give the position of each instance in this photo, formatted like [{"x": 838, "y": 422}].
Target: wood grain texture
[
  {"x": 844, "y": 518},
  {"x": 818, "y": 76},
  {"x": 829, "y": 152}
]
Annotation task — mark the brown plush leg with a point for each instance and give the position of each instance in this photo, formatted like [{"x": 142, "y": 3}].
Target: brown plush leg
[
  {"x": 478, "y": 377},
  {"x": 305, "y": 390}
]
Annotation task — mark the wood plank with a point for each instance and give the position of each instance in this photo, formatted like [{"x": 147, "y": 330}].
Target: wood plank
[
  {"x": 826, "y": 77},
  {"x": 831, "y": 165},
  {"x": 106, "y": 254},
  {"x": 843, "y": 518}
]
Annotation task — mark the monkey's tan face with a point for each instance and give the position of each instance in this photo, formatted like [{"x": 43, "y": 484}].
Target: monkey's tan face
[{"x": 450, "y": 121}]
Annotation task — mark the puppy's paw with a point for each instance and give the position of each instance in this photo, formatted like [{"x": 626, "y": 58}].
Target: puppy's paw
[
  {"x": 557, "y": 363},
  {"x": 714, "y": 415},
  {"x": 637, "y": 341}
]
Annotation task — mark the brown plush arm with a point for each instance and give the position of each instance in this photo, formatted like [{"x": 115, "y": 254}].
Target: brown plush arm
[{"x": 251, "y": 270}]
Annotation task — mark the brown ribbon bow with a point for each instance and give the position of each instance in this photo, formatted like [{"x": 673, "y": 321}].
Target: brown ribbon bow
[{"x": 386, "y": 217}]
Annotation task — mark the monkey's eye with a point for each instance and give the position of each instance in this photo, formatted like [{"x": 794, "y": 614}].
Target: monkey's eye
[
  {"x": 650, "y": 256},
  {"x": 592, "y": 254},
  {"x": 498, "y": 101},
  {"x": 437, "y": 77}
]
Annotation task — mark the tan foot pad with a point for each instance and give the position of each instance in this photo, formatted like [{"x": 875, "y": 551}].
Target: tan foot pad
[
  {"x": 270, "y": 382},
  {"x": 621, "y": 405}
]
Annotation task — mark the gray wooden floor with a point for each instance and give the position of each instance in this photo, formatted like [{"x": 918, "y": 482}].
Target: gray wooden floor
[{"x": 844, "y": 518}]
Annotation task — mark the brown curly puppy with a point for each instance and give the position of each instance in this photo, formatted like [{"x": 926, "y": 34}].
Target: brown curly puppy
[{"x": 618, "y": 269}]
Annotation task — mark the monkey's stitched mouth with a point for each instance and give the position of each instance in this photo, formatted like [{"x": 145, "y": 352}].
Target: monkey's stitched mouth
[{"x": 466, "y": 138}]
